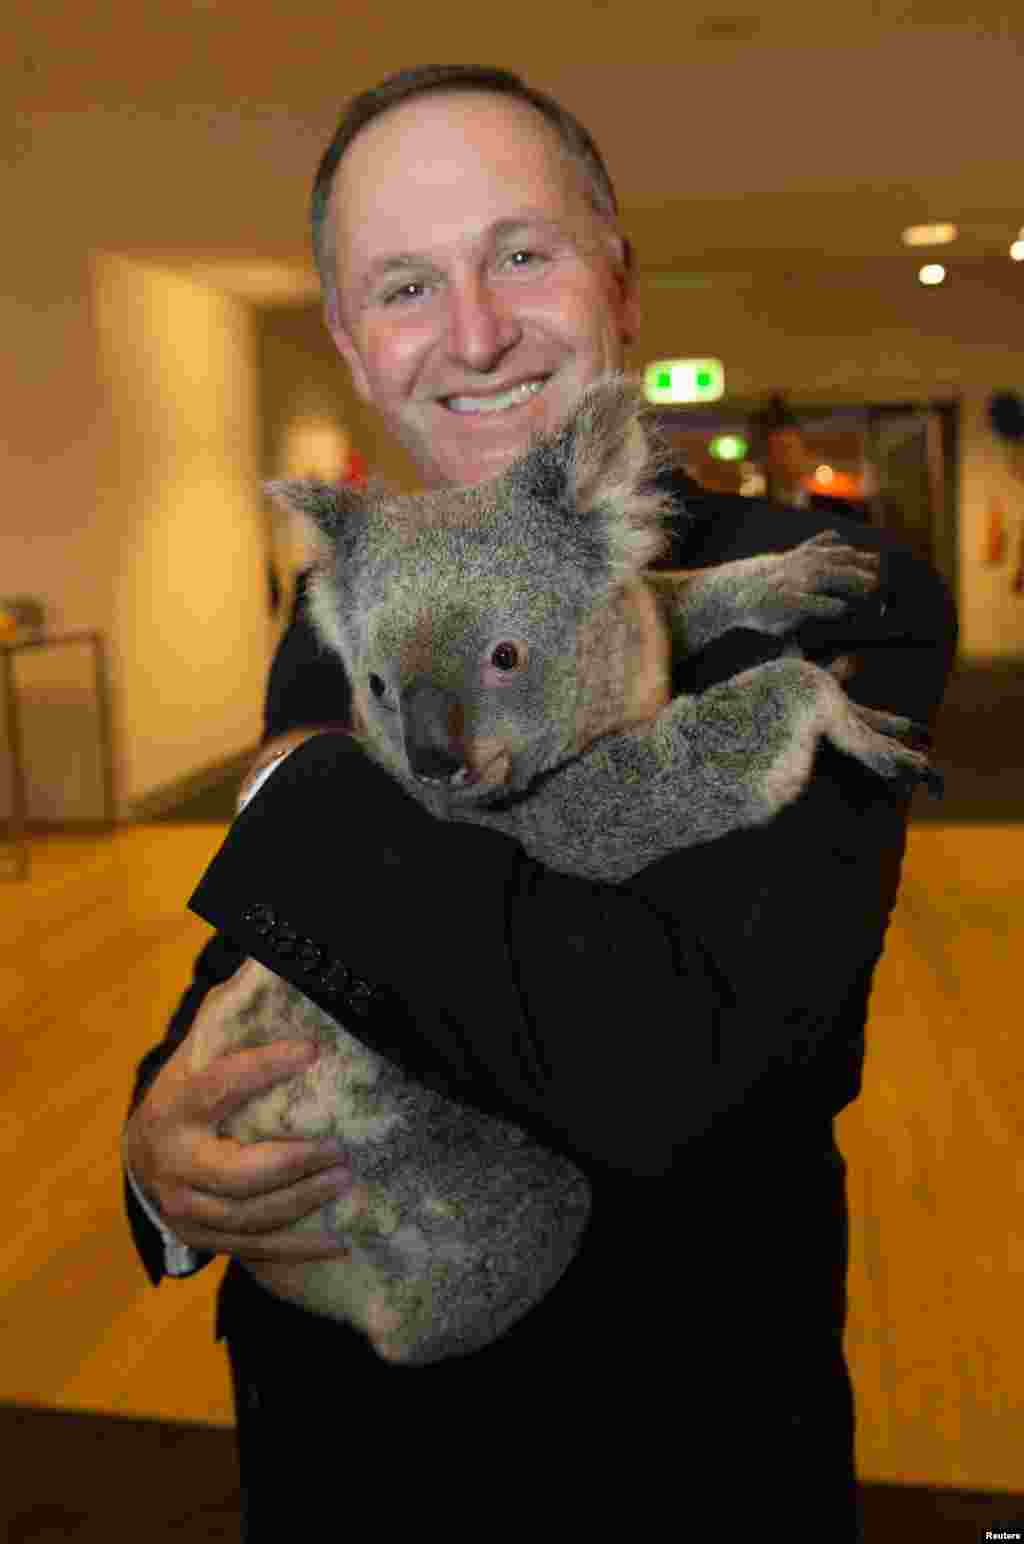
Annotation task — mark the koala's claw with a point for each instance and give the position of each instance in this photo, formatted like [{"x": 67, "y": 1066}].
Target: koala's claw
[
  {"x": 882, "y": 746},
  {"x": 813, "y": 582},
  {"x": 824, "y": 561}
]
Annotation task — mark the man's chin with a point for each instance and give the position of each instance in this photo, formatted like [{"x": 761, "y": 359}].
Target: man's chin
[{"x": 482, "y": 447}]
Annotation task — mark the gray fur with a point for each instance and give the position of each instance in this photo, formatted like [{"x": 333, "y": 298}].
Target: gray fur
[
  {"x": 460, "y": 1223},
  {"x": 416, "y": 591}
]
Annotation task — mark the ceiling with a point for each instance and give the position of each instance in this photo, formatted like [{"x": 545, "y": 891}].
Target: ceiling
[{"x": 790, "y": 139}]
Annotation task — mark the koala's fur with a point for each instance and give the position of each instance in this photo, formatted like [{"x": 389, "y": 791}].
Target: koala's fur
[
  {"x": 510, "y": 661},
  {"x": 419, "y": 595}
]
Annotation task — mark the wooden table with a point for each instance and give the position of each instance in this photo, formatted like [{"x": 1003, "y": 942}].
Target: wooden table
[{"x": 19, "y": 795}]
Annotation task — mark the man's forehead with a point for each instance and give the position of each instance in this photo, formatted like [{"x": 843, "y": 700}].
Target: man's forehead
[{"x": 473, "y": 160}]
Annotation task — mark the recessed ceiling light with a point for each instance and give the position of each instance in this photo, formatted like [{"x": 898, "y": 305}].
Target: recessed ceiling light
[
  {"x": 932, "y": 273},
  {"x": 929, "y": 235},
  {"x": 1017, "y": 251},
  {"x": 727, "y": 29}
]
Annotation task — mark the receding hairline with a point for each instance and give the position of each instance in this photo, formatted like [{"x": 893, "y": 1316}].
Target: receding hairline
[{"x": 594, "y": 196}]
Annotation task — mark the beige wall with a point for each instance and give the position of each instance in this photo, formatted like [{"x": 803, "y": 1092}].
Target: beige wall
[
  {"x": 135, "y": 463},
  {"x": 49, "y": 542},
  {"x": 189, "y": 620}
]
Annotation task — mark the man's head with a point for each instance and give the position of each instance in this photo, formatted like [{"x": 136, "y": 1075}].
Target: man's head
[
  {"x": 779, "y": 444},
  {"x": 465, "y": 230}
]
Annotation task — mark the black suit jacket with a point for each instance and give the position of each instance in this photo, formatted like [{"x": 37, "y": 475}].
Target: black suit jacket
[{"x": 687, "y": 1037}]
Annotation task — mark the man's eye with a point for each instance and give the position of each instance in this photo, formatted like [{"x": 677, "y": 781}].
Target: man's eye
[
  {"x": 523, "y": 257},
  {"x": 410, "y": 291}
]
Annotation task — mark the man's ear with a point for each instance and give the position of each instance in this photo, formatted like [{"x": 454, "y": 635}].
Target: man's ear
[
  {"x": 342, "y": 340},
  {"x": 629, "y": 298}
]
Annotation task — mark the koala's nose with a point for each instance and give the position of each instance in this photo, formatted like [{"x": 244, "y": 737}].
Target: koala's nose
[
  {"x": 431, "y": 719},
  {"x": 432, "y": 765}
]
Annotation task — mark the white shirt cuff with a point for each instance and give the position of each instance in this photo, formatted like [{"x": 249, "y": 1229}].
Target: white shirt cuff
[
  {"x": 179, "y": 1258},
  {"x": 261, "y": 777}
]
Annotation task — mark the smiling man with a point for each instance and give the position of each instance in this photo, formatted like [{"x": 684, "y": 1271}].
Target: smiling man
[
  {"x": 478, "y": 288},
  {"x": 687, "y": 1037}
]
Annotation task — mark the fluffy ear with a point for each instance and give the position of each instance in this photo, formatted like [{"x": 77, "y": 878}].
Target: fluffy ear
[
  {"x": 323, "y": 510},
  {"x": 602, "y": 466},
  {"x": 326, "y": 504}
]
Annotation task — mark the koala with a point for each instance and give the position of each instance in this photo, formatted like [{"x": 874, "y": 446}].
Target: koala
[{"x": 509, "y": 652}]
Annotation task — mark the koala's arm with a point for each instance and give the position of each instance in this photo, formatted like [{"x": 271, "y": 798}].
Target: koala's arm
[{"x": 772, "y": 594}]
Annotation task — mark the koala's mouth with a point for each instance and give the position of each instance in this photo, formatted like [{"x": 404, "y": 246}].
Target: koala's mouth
[
  {"x": 492, "y": 777},
  {"x": 465, "y": 777}
]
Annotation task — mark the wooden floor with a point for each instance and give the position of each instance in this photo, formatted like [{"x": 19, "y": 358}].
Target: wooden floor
[{"x": 96, "y": 946}]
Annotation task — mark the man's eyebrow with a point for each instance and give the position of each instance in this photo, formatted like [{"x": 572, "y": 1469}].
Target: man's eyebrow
[
  {"x": 531, "y": 220},
  {"x": 400, "y": 262}
]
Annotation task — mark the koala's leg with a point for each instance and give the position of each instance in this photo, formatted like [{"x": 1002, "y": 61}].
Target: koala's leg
[
  {"x": 730, "y": 758},
  {"x": 772, "y": 594},
  {"x": 456, "y": 1223}
]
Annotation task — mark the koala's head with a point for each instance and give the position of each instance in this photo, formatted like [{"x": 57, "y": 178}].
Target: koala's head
[{"x": 481, "y": 628}]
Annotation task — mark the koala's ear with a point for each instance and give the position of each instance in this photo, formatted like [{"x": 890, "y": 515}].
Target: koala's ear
[
  {"x": 326, "y": 504},
  {"x": 610, "y": 458},
  {"x": 609, "y": 450},
  {"x": 323, "y": 511}
]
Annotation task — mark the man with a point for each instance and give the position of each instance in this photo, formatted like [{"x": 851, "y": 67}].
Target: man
[
  {"x": 686, "y": 1037},
  {"x": 781, "y": 445}
]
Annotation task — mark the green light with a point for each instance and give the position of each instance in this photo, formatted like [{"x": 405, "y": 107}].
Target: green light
[
  {"x": 684, "y": 380},
  {"x": 728, "y": 447}
]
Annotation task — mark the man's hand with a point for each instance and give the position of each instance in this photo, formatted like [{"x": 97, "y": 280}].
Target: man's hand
[{"x": 222, "y": 1196}]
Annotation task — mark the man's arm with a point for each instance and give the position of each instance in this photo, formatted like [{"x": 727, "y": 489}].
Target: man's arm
[
  {"x": 553, "y": 1001},
  {"x": 305, "y": 685}
]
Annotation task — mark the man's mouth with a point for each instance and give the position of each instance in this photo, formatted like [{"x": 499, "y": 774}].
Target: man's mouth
[{"x": 497, "y": 403}]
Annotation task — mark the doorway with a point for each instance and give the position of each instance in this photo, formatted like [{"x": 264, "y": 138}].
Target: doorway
[{"x": 898, "y": 462}]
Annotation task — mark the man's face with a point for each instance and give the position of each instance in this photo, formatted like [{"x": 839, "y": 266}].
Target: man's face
[
  {"x": 787, "y": 454},
  {"x": 478, "y": 292}
]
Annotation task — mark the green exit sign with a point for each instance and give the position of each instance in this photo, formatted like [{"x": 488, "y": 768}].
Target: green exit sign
[{"x": 684, "y": 380}]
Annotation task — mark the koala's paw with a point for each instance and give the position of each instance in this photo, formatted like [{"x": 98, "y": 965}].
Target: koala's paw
[
  {"x": 814, "y": 582},
  {"x": 882, "y": 742}
]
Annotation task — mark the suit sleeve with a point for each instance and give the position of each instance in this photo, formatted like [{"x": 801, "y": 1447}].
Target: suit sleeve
[{"x": 305, "y": 687}]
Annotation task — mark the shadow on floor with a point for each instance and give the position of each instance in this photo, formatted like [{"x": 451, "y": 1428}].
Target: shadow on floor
[
  {"x": 98, "y": 1479},
  {"x": 979, "y": 746}
]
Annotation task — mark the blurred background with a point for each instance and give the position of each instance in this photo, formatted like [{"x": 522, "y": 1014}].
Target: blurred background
[{"x": 164, "y": 352}]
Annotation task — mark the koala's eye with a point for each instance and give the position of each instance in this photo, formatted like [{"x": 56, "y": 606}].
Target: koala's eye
[
  {"x": 505, "y": 656},
  {"x": 377, "y": 685}
]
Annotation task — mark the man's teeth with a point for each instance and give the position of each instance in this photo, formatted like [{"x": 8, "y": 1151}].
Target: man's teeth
[{"x": 496, "y": 404}]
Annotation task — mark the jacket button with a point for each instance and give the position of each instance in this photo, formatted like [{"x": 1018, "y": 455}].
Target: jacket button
[
  {"x": 310, "y": 955},
  {"x": 286, "y": 941},
  {"x": 334, "y": 980},
  {"x": 360, "y": 996},
  {"x": 262, "y": 918}
]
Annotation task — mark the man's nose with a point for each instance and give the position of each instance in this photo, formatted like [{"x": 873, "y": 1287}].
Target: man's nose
[{"x": 480, "y": 330}]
